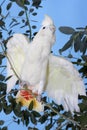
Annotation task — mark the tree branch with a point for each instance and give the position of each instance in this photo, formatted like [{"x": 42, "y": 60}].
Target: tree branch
[{"x": 61, "y": 115}]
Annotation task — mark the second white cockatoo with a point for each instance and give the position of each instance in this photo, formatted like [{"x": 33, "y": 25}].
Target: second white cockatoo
[{"x": 34, "y": 65}]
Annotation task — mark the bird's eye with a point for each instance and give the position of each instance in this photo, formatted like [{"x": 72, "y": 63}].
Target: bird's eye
[{"x": 44, "y": 27}]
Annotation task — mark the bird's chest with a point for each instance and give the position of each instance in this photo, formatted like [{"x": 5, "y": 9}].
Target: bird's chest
[{"x": 36, "y": 62}]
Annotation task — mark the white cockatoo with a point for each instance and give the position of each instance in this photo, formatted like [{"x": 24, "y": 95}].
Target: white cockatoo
[{"x": 34, "y": 65}]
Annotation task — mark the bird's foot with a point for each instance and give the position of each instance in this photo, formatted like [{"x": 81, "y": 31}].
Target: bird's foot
[{"x": 39, "y": 98}]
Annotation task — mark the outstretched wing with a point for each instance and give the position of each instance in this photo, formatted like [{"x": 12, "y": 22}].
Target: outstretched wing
[
  {"x": 16, "y": 53},
  {"x": 64, "y": 83}
]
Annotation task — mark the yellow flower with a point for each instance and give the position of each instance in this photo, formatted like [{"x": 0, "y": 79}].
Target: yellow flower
[{"x": 25, "y": 97}]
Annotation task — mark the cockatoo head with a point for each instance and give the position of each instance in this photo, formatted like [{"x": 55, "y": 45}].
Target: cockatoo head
[
  {"x": 47, "y": 31},
  {"x": 48, "y": 24}
]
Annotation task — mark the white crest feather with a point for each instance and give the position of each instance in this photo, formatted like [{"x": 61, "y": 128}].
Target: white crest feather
[{"x": 47, "y": 21}]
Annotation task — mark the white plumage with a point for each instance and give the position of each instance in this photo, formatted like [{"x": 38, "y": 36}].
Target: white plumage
[
  {"x": 35, "y": 64},
  {"x": 30, "y": 60}
]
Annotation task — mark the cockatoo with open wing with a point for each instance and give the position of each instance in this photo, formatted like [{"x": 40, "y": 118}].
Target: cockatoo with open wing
[{"x": 35, "y": 66}]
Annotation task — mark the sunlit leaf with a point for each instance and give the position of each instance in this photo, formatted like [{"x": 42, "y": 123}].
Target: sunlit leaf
[{"x": 66, "y": 30}]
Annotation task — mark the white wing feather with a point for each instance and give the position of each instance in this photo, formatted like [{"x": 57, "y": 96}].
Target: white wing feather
[
  {"x": 64, "y": 83},
  {"x": 16, "y": 53}
]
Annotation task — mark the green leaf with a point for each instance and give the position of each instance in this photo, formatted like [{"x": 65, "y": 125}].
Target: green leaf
[
  {"x": 2, "y": 23},
  {"x": 17, "y": 110},
  {"x": 26, "y": 2},
  {"x": 36, "y": 3},
  {"x": 43, "y": 118},
  {"x": 77, "y": 41},
  {"x": 82, "y": 47},
  {"x": 36, "y": 114},
  {"x": 20, "y": 3},
  {"x": 34, "y": 14},
  {"x": 5, "y": 128},
  {"x": 0, "y": 35},
  {"x": 33, "y": 119},
  {"x": 84, "y": 57},
  {"x": 31, "y": 105},
  {"x": 2, "y": 77},
  {"x": 34, "y": 27},
  {"x": 8, "y": 109},
  {"x": 31, "y": 10},
  {"x": 21, "y": 13},
  {"x": 70, "y": 56},
  {"x": 66, "y": 30},
  {"x": 49, "y": 126},
  {"x": 0, "y": 106},
  {"x": 3, "y": 86},
  {"x": 61, "y": 120},
  {"x": 84, "y": 41},
  {"x": 66, "y": 46},
  {"x": 30, "y": 128},
  {"x": 8, "y": 78},
  {"x": 1, "y": 122},
  {"x": 82, "y": 119},
  {"x": 9, "y": 6},
  {"x": 0, "y": 10}
]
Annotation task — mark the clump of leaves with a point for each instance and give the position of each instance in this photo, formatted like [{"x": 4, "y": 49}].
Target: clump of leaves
[{"x": 78, "y": 39}]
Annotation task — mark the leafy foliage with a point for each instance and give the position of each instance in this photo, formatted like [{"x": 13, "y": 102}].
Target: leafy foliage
[
  {"x": 53, "y": 116},
  {"x": 78, "y": 39}
]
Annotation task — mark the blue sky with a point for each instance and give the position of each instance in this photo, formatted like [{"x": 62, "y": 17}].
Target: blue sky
[{"x": 64, "y": 13}]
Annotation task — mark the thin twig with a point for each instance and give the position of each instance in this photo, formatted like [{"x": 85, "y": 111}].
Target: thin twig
[
  {"x": 60, "y": 127},
  {"x": 3, "y": 66},
  {"x": 2, "y": 2},
  {"x": 28, "y": 24},
  {"x": 8, "y": 57},
  {"x": 63, "y": 116},
  {"x": 8, "y": 94}
]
